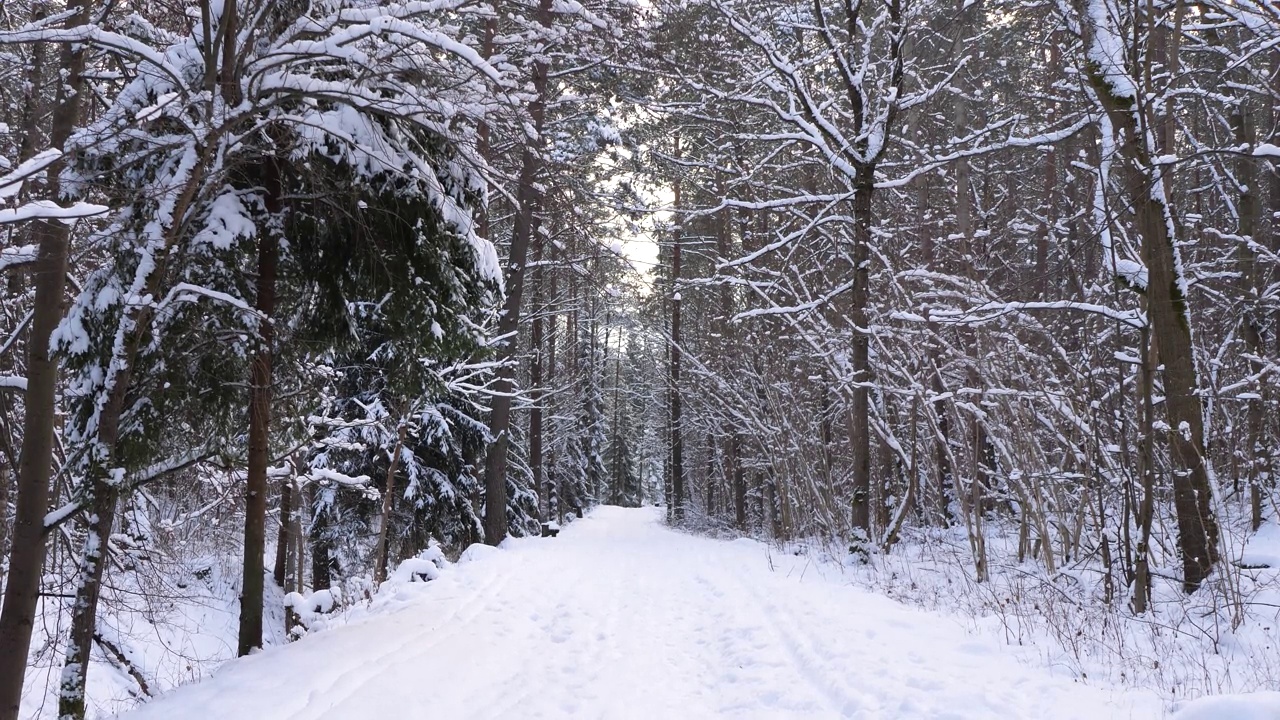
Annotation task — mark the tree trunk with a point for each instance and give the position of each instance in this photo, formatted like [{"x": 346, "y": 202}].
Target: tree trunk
[
  {"x": 482, "y": 230},
  {"x": 6, "y": 478},
  {"x": 739, "y": 482},
  {"x": 282, "y": 540},
  {"x": 26, "y": 559},
  {"x": 1146, "y": 470},
  {"x": 260, "y": 394},
  {"x": 295, "y": 537},
  {"x": 677, "y": 430},
  {"x": 619, "y": 469},
  {"x": 860, "y": 413},
  {"x": 1170, "y": 322},
  {"x": 321, "y": 555},
  {"x": 380, "y": 552},
  {"x": 1257, "y": 454},
  {"x": 102, "y": 487},
  {"x": 529, "y": 198},
  {"x": 535, "y": 380}
]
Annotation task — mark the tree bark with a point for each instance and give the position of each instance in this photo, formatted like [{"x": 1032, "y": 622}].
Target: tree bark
[
  {"x": 26, "y": 559},
  {"x": 860, "y": 412},
  {"x": 529, "y": 198},
  {"x": 380, "y": 552},
  {"x": 1146, "y": 470},
  {"x": 677, "y": 430},
  {"x": 260, "y": 395},
  {"x": 1169, "y": 318},
  {"x": 1257, "y": 453},
  {"x": 282, "y": 539},
  {"x": 321, "y": 556},
  {"x": 535, "y": 381}
]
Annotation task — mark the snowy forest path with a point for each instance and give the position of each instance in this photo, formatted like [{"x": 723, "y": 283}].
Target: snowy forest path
[{"x": 622, "y": 617}]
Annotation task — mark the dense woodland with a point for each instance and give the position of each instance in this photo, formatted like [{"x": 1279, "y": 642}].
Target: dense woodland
[{"x": 295, "y": 290}]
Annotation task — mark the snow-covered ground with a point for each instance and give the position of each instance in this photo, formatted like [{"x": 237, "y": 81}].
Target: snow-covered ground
[{"x": 621, "y": 617}]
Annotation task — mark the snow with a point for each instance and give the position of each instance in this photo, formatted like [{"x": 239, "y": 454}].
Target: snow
[
  {"x": 153, "y": 111},
  {"x": 476, "y": 552},
  {"x": 12, "y": 182},
  {"x": 425, "y": 567},
  {"x": 621, "y": 617},
  {"x": 13, "y": 382},
  {"x": 1133, "y": 273},
  {"x": 49, "y": 210},
  {"x": 1249, "y": 706},
  {"x": 1107, "y": 49},
  {"x": 1263, "y": 549},
  {"x": 1266, "y": 150},
  {"x": 12, "y": 256}
]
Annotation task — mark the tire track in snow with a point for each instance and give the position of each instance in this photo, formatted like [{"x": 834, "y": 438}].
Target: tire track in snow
[
  {"x": 622, "y": 618},
  {"x": 416, "y": 645},
  {"x": 808, "y": 662}
]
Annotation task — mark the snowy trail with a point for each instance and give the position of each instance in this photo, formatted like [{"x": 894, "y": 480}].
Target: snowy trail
[{"x": 620, "y": 617}]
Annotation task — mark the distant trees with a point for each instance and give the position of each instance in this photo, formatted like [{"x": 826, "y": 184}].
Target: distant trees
[{"x": 982, "y": 198}]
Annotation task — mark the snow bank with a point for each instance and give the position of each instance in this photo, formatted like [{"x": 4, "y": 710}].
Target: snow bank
[
  {"x": 475, "y": 552},
  {"x": 1249, "y": 706},
  {"x": 310, "y": 607},
  {"x": 1263, "y": 549},
  {"x": 425, "y": 567}
]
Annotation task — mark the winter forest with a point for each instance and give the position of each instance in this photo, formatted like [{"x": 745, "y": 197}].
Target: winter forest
[{"x": 975, "y": 301}]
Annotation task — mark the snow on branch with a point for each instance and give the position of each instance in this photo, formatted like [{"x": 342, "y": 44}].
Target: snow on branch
[
  {"x": 13, "y": 382},
  {"x": 49, "y": 210},
  {"x": 327, "y": 475},
  {"x": 991, "y": 311},
  {"x": 12, "y": 182},
  {"x": 17, "y": 256}
]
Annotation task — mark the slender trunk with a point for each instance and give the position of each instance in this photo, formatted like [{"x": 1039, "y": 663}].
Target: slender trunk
[
  {"x": 321, "y": 555},
  {"x": 677, "y": 430},
  {"x": 619, "y": 460},
  {"x": 380, "y": 552},
  {"x": 549, "y": 379},
  {"x": 535, "y": 381},
  {"x": 1170, "y": 322},
  {"x": 295, "y": 536},
  {"x": 942, "y": 438},
  {"x": 1046, "y": 236},
  {"x": 35, "y": 464},
  {"x": 482, "y": 230},
  {"x": 1146, "y": 470},
  {"x": 1256, "y": 452},
  {"x": 101, "y": 489},
  {"x": 33, "y": 109},
  {"x": 709, "y": 482},
  {"x": 966, "y": 230},
  {"x": 260, "y": 394},
  {"x": 289, "y": 562},
  {"x": 860, "y": 413},
  {"x": 6, "y": 478},
  {"x": 282, "y": 539},
  {"x": 529, "y": 198},
  {"x": 739, "y": 482},
  {"x": 71, "y": 691},
  {"x": 229, "y": 78}
]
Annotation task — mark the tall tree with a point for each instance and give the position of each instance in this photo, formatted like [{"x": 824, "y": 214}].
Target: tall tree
[{"x": 35, "y": 465}]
